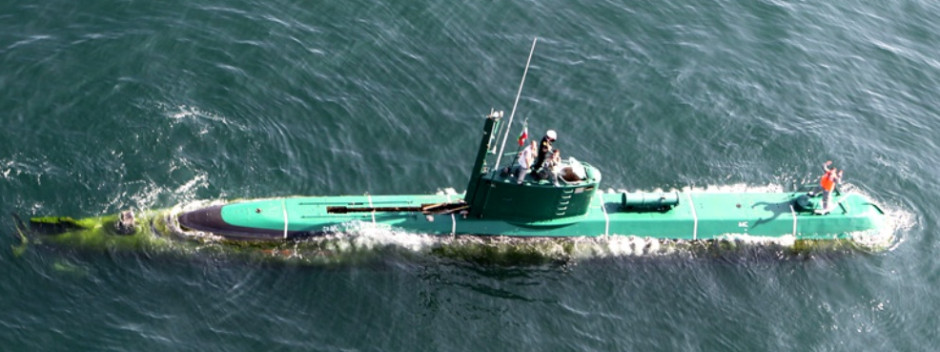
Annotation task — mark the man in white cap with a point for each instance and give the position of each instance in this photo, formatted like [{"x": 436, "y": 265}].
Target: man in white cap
[{"x": 545, "y": 148}]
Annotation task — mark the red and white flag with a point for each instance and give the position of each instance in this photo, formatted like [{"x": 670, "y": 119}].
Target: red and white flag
[{"x": 525, "y": 133}]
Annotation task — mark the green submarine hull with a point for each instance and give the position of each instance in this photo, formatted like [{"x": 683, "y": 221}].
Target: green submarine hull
[
  {"x": 696, "y": 216},
  {"x": 606, "y": 229},
  {"x": 495, "y": 206}
]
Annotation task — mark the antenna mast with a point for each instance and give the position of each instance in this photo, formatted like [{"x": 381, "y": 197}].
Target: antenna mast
[{"x": 513, "y": 112}]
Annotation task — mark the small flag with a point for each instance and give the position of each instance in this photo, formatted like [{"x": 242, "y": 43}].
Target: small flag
[{"x": 525, "y": 133}]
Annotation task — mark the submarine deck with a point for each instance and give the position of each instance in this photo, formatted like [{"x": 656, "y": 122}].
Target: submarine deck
[{"x": 697, "y": 216}]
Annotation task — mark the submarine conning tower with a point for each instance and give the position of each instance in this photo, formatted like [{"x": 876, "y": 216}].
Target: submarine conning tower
[{"x": 493, "y": 194}]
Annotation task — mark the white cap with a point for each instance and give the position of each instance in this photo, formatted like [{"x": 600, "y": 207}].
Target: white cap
[{"x": 551, "y": 134}]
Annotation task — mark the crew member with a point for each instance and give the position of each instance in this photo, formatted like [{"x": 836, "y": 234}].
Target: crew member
[
  {"x": 827, "y": 183},
  {"x": 524, "y": 162},
  {"x": 551, "y": 169},
  {"x": 545, "y": 147}
]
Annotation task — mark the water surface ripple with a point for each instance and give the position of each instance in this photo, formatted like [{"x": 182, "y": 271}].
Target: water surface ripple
[{"x": 138, "y": 105}]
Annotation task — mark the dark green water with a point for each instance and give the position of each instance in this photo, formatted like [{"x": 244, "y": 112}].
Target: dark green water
[{"x": 119, "y": 105}]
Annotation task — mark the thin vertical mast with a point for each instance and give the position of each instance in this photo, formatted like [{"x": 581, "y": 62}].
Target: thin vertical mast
[{"x": 502, "y": 147}]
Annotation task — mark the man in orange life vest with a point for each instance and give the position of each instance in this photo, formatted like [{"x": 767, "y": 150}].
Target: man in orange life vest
[{"x": 827, "y": 183}]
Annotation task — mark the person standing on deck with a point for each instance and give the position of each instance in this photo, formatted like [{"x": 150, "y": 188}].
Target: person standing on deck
[
  {"x": 545, "y": 148},
  {"x": 827, "y": 183},
  {"x": 551, "y": 169},
  {"x": 524, "y": 162}
]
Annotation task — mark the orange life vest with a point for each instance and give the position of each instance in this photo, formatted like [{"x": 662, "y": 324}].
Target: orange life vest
[{"x": 827, "y": 182}]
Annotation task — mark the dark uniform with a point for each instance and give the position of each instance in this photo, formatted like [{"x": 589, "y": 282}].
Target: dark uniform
[{"x": 545, "y": 148}]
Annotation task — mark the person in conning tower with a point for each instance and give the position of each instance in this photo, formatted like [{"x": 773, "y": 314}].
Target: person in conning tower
[
  {"x": 827, "y": 183},
  {"x": 545, "y": 148},
  {"x": 524, "y": 162},
  {"x": 551, "y": 169}
]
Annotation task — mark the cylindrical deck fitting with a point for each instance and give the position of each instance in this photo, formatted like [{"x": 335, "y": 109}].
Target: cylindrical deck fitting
[{"x": 648, "y": 201}]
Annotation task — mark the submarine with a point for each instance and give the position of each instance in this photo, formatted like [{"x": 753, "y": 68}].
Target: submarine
[
  {"x": 531, "y": 219},
  {"x": 495, "y": 204}
]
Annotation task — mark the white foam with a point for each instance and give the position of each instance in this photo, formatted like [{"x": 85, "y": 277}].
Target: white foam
[
  {"x": 449, "y": 191},
  {"x": 153, "y": 196},
  {"x": 32, "y": 167},
  {"x": 6, "y": 166},
  {"x": 185, "y": 112},
  {"x": 889, "y": 235}
]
